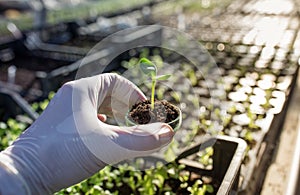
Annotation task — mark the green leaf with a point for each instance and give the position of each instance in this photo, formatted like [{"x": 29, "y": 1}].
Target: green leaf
[
  {"x": 209, "y": 188},
  {"x": 163, "y": 77},
  {"x": 148, "y": 67},
  {"x": 159, "y": 181}
]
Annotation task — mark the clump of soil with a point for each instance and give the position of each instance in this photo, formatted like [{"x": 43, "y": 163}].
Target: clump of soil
[{"x": 141, "y": 113}]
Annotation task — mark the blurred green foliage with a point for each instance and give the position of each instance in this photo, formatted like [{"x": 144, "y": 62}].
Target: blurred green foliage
[{"x": 9, "y": 131}]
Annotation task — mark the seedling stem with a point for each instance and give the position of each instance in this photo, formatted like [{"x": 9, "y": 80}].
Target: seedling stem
[{"x": 150, "y": 69}]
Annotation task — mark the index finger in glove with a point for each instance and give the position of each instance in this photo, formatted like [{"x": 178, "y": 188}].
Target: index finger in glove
[{"x": 121, "y": 95}]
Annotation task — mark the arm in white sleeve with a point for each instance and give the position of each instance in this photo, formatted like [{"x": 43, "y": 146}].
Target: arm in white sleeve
[{"x": 11, "y": 182}]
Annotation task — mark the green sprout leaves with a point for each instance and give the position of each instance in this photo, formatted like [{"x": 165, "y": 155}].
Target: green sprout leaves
[
  {"x": 163, "y": 77},
  {"x": 150, "y": 69}
]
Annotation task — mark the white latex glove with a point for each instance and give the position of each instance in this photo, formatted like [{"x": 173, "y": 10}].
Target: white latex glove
[{"x": 68, "y": 142}]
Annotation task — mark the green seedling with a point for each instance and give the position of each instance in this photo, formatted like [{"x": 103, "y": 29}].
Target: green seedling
[{"x": 150, "y": 69}]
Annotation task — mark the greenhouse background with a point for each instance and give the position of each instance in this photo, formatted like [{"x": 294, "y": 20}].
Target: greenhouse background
[{"x": 234, "y": 67}]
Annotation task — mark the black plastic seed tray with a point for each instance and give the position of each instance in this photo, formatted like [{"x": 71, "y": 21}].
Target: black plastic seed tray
[
  {"x": 33, "y": 46},
  {"x": 104, "y": 26},
  {"x": 93, "y": 27},
  {"x": 228, "y": 154},
  {"x": 12, "y": 105},
  {"x": 105, "y": 58},
  {"x": 27, "y": 68},
  {"x": 223, "y": 175}
]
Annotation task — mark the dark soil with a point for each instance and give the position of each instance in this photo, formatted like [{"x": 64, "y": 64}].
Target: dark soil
[{"x": 141, "y": 113}]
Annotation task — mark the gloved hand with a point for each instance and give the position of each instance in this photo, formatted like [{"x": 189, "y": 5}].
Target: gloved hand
[{"x": 69, "y": 143}]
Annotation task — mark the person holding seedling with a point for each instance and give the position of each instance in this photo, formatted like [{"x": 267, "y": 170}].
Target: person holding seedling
[
  {"x": 153, "y": 110},
  {"x": 70, "y": 141}
]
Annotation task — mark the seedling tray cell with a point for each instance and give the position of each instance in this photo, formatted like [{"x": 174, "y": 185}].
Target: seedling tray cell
[{"x": 228, "y": 154}]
